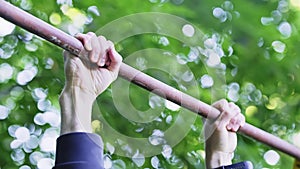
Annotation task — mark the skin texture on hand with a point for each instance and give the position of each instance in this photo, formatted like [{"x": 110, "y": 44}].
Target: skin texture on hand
[
  {"x": 220, "y": 134},
  {"x": 87, "y": 76},
  {"x": 88, "y": 73}
]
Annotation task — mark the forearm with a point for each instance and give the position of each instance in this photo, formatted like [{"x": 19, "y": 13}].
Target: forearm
[{"x": 76, "y": 109}]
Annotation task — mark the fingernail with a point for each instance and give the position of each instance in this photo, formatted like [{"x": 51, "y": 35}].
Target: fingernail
[
  {"x": 228, "y": 127},
  {"x": 102, "y": 62},
  {"x": 94, "y": 59},
  {"x": 88, "y": 47}
]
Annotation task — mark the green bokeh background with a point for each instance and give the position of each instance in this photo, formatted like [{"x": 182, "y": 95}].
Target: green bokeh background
[{"x": 268, "y": 80}]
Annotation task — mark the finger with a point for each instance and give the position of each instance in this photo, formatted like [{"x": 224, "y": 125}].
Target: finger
[
  {"x": 236, "y": 122},
  {"x": 221, "y": 105},
  {"x": 234, "y": 108},
  {"x": 234, "y": 111},
  {"x": 95, "y": 52},
  {"x": 103, "y": 59},
  {"x": 85, "y": 39},
  {"x": 237, "y": 117},
  {"x": 240, "y": 122},
  {"x": 110, "y": 44},
  {"x": 231, "y": 125},
  {"x": 106, "y": 58},
  {"x": 115, "y": 60},
  {"x": 103, "y": 51},
  {"x": 229, "y": 115}
]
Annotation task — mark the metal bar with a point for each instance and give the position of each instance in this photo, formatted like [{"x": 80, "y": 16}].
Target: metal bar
[{"x": 67, "y": 42}]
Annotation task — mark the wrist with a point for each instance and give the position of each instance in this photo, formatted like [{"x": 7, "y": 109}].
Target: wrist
[
  {"x": 75, "y": 99},
  {"x": 216, "y": 159},
  {"x": 76, "y": 109},
  {"x": 79, "y": 91}
]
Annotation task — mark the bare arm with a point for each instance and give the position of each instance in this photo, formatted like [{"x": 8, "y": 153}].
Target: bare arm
[{"x": 86, "y": 78}]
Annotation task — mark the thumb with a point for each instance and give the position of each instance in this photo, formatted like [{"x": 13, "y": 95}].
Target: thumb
[{"x": 115, "y": 58}]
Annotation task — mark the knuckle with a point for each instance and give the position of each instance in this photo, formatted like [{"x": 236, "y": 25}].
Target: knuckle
[
  {"x": 238, "y": 109},
  {"x": 102, "y": 38},
  {"x": 224, "y": 101},
  {"x": 220, "y": 103},
  {"x": 232, "y": 105},
  {"x": 91, "y": 34},
  {"x": 118, "y": 57},
  {"x": 110, "y": 43},
  {"x": 226, "y": 113},
  {"x": 242, "y": 118}
]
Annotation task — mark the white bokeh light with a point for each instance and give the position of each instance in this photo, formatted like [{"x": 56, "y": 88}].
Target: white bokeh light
[
  {"x": 15, "y": 144},
  {"x": 266, "y": 20},
  {"x": 39, "y": 93},
  {"x": 167, "y": 151},
  {"x": 35, "y": 157},
  {"x": 157, "y": 137},
  {"x": 164, "y": 41},
  {"x": 278, "y": 46},
  {"x": 45, "y": 163},
  {"x": 52, "y": 118},
  {"x": 26, "y": 75},
  {"x": 44, "y": 105},
  {"x": 271, "y": 157},
  {"x": 6, "y": 27},
  {"x": 48, "y": 140},
  {"x": 213, "y": 59},
  {"x": 4, "y": 111},
  {"x": 285, "y": 29},
  {"x": 206, "y": 81},
  {"x": 187, "y": 76},
  {"x": 6, "y": 72},
  {"x": 220, "y": 14},
  {"x": 155, "y": 162},
  {"x": 171, "y": 106},
  {"x": 188, "y": 30},
  {"x": 25, "y": 167},
  {"x": 210, "y": 43},
  {"x": 47, "y": 144},
  {"x": 138, "y": 159},
  {"x": 22, "y": 134},
  {"x": 233, "y": 92},
  {"x": 107, "y": 162}
]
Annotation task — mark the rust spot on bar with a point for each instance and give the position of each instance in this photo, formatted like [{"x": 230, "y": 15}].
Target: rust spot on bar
[
  {"x": 66, "y": 46},
  {"x": 55, "y": 40}
]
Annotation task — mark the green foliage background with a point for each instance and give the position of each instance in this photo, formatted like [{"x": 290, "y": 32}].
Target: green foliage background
[{"x": 268, "y": 80}]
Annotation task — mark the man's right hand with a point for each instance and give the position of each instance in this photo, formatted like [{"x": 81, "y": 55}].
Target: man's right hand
[{"x": 95, "y": 70}]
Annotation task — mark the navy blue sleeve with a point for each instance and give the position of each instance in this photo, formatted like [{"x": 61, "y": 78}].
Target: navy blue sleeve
[
  {"x": 79, "y": 151},
  {"x": 241, "y": 165}
]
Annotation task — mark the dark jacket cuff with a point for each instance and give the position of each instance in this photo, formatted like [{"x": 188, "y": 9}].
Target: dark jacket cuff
[
  {"x": 79, "y": 150},
  {"x": 241, "y": 165}
]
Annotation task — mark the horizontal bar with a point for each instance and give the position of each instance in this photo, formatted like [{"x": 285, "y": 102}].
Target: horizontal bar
[{"x": 71, "y": 44}]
